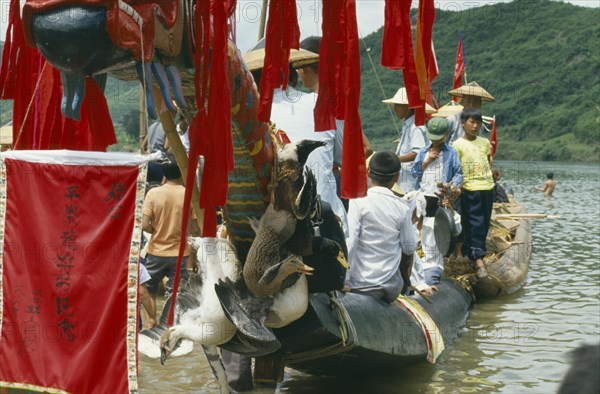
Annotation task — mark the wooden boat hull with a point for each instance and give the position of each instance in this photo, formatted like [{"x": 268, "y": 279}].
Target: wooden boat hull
[
  {"x": 374, "y": 335},
  {"x": 507, "y": 273}
]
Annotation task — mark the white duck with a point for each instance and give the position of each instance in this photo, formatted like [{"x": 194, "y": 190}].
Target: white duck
[{"x": 206, "y": 323}]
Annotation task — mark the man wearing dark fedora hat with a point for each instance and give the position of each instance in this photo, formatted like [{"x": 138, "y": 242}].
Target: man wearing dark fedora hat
[{"x": 381, "y": 232}]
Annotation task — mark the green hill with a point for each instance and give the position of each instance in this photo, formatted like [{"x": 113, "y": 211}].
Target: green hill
[{"x": 540, "y": 59}]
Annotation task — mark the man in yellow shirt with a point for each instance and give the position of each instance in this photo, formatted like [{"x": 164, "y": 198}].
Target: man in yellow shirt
[
  {"x": 478, "y": 183},
  {"x": 163, "y": 212}
]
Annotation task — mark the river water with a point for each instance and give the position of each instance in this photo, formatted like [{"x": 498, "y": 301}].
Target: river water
[{"x": 513, "y": 344}]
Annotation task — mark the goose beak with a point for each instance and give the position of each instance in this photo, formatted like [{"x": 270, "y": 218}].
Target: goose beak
[{"x": 164, "y": 353}]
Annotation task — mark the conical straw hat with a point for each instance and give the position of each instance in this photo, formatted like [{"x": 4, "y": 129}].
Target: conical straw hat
[
  {"x": 255, "y": 58},
  {"x": 401, "y": 98},
  {"x": 447, "y": 110},
  {"x": 472, "y": 89}
]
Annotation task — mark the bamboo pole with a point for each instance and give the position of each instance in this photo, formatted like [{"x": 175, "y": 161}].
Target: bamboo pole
[
  {"x": 168, "y": 124},
  {"x": 263, "y": 20},
  {"x": 143, "y": 123},
  {"x": 526, "y": 216}
]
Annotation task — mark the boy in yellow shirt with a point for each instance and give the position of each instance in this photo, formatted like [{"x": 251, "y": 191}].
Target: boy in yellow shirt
[{"x": 478, "y": 183}]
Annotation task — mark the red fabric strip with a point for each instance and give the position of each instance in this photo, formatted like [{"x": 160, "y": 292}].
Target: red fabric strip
[
  {"x": 9, "y": 53},
  {"x": 354, "y": 174},
  {"x": 210, "y": 131},
  {"x": 494, "y": 138},
  {"x": 331, "y": 59},
  {"x": 392, "y": 48},
  {"x": 282, "y": 35}
]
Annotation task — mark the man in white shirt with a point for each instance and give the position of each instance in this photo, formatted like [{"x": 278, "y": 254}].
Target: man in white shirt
[
  {"x": 412, "y": 138},
  {"x": 381, "y": 232}
]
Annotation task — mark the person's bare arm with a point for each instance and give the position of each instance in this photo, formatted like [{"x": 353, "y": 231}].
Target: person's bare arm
[
  {"x": 407, "y": 157},
  {"x": 147, "y": 224},
  {"x": 431, "y": 156}
]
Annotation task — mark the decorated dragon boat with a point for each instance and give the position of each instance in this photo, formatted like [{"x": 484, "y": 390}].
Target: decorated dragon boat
[{"x": 250, "y": 173}]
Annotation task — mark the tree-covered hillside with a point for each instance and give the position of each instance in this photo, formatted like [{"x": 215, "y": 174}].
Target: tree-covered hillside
[{"x": 540, "y": 59}]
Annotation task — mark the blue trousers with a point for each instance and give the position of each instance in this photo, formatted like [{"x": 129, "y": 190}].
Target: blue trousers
[{"x": 476, "y": 214}]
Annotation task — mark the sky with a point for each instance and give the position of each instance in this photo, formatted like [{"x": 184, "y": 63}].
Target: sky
[{"x": 369, "y": 12}]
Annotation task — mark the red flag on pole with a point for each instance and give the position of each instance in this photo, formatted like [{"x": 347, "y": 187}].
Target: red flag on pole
[
  {"x": 459, "y": 67},
  {"x": 494, "y": 137}
]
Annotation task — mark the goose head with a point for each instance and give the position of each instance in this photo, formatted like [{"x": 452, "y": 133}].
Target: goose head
[{"x": 271, "y": 280}]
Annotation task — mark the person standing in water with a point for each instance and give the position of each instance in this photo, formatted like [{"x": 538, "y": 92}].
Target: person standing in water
[{"x": 549, "y": 185}]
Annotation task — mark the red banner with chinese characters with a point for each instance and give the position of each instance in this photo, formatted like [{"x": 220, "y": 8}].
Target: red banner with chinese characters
[{"x": 68, "y": 276}]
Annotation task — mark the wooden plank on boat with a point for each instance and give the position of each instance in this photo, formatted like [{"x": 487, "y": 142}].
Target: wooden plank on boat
[
  {"x": 517, "y": 216},
  {"x": 508, "y": 223}
]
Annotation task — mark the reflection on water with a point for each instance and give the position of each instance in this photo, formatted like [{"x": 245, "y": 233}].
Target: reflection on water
[{"x": 517, "y": 343}]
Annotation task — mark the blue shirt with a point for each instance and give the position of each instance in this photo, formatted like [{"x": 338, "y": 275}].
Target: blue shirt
[{"x": 451, "y": 171}]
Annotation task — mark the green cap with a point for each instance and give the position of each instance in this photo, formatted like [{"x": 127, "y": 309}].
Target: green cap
[{"x": 437, "y": 128}]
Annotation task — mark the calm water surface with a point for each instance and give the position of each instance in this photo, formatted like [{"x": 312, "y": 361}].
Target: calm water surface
[{"x": 513, "y": 344}]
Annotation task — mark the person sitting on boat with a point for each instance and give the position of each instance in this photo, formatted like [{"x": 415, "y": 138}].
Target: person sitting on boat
[
  {"x": 381, "y": 233},
  {"x": 438, "y": 163},
  {"x": 477, "y": 198},
  {"x": 471, "y": 96}
]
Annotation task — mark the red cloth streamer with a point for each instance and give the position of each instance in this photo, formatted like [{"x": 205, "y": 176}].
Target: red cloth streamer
[
  {"x": 210, "y": 131},
  {"x": 62, "y": 254},
  {"x": 392, "y": 48},
  {"x": 339, "y": 90},
  {"x": 354, "y": 175},
  {"x": 283, "y": 34},
  {"x": 397, "y": 16},
  {"x": 331, "y": 101},
  {"x": 425, "y": 62},
  {"x": 459, "y": 67},
  {"x": 425, "y": 56},
  {"x": 494, "y": 138}
]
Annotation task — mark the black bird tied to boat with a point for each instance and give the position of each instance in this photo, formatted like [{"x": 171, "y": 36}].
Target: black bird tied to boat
[
  {"x": 329, "y": 253},
  {"x": 445, "y": 230},
  {"x": 243, "y": 308}
]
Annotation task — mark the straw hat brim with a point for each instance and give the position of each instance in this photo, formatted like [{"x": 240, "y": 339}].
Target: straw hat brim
[
  {"x": 255, "y": 60},
  {"x": 428, "y": 108},
  {"x": 476, "y": 91},
  {"x": 447, "y": 110}
]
